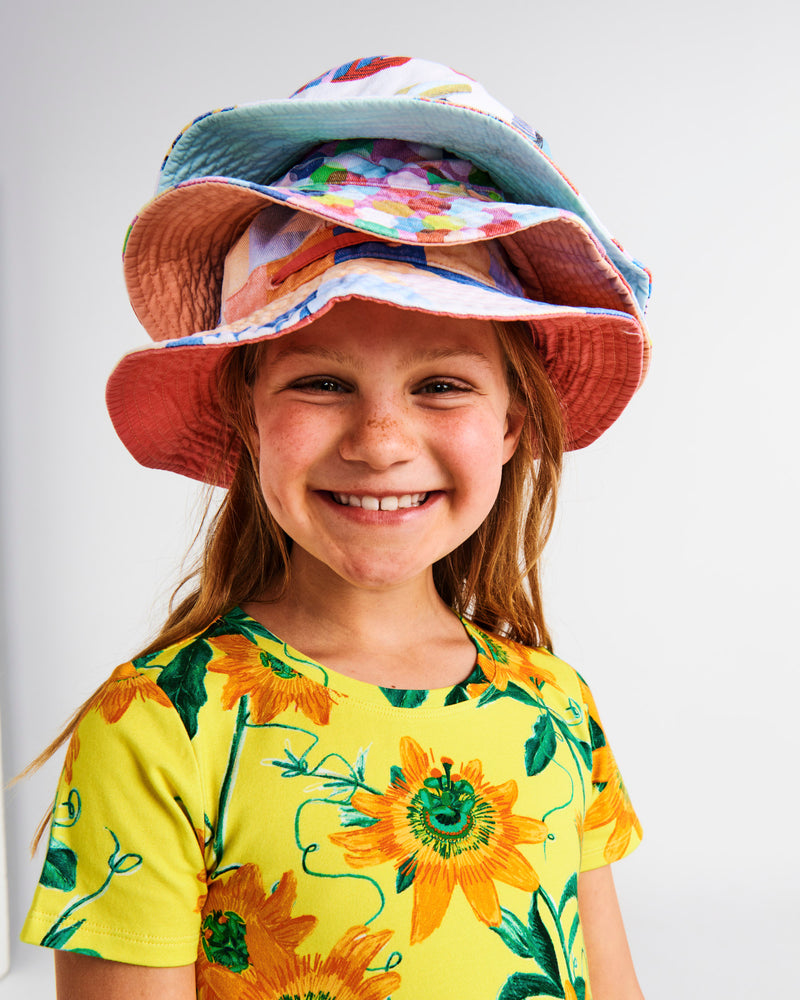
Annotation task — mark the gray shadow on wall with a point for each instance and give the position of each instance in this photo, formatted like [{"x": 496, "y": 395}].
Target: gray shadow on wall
[{"x": 4, "y": 657}]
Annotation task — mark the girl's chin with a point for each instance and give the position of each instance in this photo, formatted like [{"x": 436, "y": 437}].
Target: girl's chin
[{"x": 368, "y": 573}]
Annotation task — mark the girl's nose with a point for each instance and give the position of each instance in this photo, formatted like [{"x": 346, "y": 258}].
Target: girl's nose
[{"x": 379, "y": 437}]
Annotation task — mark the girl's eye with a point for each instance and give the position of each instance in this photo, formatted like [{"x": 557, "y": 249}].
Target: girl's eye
[
  {"x": 443, "y": 386},
  {"x": 321, "y": 383}
]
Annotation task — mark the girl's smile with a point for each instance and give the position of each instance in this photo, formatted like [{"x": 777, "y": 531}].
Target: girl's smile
[
  {"x": 381, "y": 503},
  {"x": 381, "y": 434}
]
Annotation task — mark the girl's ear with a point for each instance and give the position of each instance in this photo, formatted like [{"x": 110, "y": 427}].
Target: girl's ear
[{"x": 515, "y": 420}]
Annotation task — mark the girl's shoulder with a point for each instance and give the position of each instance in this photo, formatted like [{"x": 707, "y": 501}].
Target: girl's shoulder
[
  {"x": 508, "y": 664},
  {"x": 181, "y": 674}
]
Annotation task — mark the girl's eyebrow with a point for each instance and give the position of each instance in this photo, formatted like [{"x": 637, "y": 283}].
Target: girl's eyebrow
[
  {"x": 446, "y": 353},
  {"x": 311, "y": 351},
  {"x": 343, "y": 358}
]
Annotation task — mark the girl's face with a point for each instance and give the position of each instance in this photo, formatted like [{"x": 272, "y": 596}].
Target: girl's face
[{"x": 381, "y": 434}]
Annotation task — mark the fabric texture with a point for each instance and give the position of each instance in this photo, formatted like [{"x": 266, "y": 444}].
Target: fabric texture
[{"x": 301, "y": 833}]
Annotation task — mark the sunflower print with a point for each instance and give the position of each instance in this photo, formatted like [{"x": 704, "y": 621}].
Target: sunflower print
[
  {"x": 122, "y": 688},
  {"x": 611, "y": 805},
  {"x": 384, "y": 836},
  {"x": 243, "y": 929},
  {"x": 113, "y": 700},
  {"x": 271, "y": 684},
  {"x": 343, "y": 975},
  {"x": 442, "y": 826},
  {"x": 510, "y": 663}
]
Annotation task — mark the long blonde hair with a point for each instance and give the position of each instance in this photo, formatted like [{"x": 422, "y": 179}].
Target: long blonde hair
[{"x": 493, "y": 578}]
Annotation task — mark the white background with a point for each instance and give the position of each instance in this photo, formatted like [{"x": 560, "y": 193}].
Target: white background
[{"x": 672, "y": 575}]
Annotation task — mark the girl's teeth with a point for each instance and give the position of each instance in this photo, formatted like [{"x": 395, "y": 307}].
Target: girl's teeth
[{"x": 382, "y": 503}]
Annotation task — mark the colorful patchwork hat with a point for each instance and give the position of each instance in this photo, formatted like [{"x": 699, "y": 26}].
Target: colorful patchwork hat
[
  {"x": 400, "y": 191},
  {"x": 412, "y": 99},
  {"x": 290, "y": 267},
  {"x": 447, "y": 169}
]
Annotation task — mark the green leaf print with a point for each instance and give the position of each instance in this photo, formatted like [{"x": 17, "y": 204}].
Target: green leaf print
[
  {"x": 583, "y": 748},
  {"x": 119, "y": 863},
  {"x": 514, "y": 934},
  {"x": 531, "y": 941},
  {"x": 570, "y": 892},
  {"x": 60, "y": 867},
  {"x": 541, "y": 747},
  {"x": 524, "y": 986},
  {"x": 236, "y": 622},
  {"x": 580, "y": 988},
  {"x": 512, "y": 691},
  {"x": 182, "y": 680},
  {"x": 597, "y": 735},
  {"x": 576, "y": 922},
  {"x": 58, "y": 938},
  {"x": 459, "y": 692},
  {"x": 401, "y": 698},
  {"x": 405, "y": 874},
  {"x": 140, "y": 662},
  {"x": 349, "y": 816},
  {"x": 456, "y": 695},
  {"x": 542, "y": 944}
]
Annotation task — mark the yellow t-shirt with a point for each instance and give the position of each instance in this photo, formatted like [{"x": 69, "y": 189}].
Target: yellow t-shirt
[{"x": 302, "y": 834}]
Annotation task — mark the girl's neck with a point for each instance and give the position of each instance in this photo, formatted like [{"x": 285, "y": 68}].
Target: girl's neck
[{"x": 366, "y": 632}]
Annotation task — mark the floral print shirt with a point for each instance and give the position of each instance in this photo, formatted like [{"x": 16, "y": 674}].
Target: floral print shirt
[{"x": 301, "y": 834}]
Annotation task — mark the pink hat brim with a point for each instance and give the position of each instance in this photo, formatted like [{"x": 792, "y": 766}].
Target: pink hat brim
[{"x": 163, "y": 398}]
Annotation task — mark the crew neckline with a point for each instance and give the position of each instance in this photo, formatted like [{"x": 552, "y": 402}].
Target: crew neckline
[{"x": 401, "y": 699}]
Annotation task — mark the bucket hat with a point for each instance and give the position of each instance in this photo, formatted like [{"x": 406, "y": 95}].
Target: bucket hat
[
  {"x": 289, "y": 267},
  {"x": 400, "y": 191},
  {"x": 395, "y": 97},
  {"x": 446, "y": 166}
]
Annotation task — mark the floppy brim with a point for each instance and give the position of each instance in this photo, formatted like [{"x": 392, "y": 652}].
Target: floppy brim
[
  {"x": 259, "y": 142},
  {"x": 163, "y": 398},
  {"x": 176, "y": 248}
]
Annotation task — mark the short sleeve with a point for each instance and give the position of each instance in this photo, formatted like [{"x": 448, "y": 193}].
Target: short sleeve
[
  {"x": 124, "y": 873},
  {"x": 611, "y": 828}
]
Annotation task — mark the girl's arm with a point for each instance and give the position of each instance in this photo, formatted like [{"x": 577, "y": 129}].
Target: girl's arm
[
  {"x": 610, "y": 964},
  {"x": 83, "y": 977}
]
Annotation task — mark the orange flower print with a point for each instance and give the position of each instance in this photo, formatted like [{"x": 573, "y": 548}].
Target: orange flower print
[
  {"x": 112, "y": 700},
  {"x": 122, "y": 688},
  {"x": 509, "y": 662},
  {"x": 340, "y": 976},
  {"x": 611, "y": 805},
  {"x": 273, "y": 686},
  {"x": 243, "y": 930},
  {"x": 441, "y": 827}
]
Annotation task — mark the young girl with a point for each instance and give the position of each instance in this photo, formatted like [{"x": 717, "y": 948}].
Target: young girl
[{"x": 349, "y": 766}]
